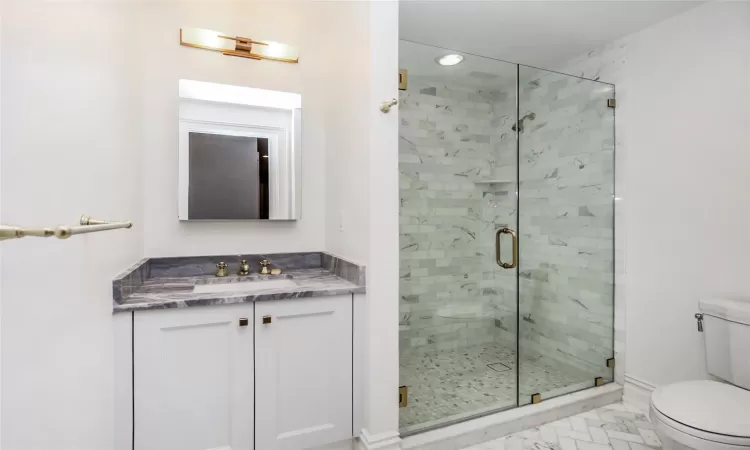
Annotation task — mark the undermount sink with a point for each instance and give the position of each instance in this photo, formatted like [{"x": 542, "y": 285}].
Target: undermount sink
[{"x": 244, "y": 286}]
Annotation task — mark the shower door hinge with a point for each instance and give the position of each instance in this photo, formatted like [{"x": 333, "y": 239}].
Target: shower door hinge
[
  {"x": 611, "y": 362},
  {"x": 598, "y": 381},
  {"x": 612, "y": 103},
  {"x": 536, "y": 398},
  {"x": 403, "y": 394},
  {"x": 403, "y": 79}
]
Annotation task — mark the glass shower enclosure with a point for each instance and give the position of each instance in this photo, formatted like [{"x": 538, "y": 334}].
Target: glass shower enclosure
[{"x": 506, "y": 236}]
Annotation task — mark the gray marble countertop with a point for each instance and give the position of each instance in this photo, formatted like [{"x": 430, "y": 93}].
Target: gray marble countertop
[{"x": 174, "y": 287}]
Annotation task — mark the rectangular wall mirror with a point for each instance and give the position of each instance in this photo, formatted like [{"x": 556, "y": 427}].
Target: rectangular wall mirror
[{"x": 239, "y": 153}]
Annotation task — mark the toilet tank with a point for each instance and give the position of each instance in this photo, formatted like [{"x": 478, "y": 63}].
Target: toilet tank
[{"x": 726, "y": 329}]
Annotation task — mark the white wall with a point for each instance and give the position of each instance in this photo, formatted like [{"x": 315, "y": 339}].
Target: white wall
[
  {"x": 687, "y": 217},
  {"x": 90, "y": 125},
  {"x": 163, "y": 62},
  {"x": 347, "y": 151},
  {"x": 70, "y": 145},
  {"x": 362, "y": 185},
  {"x": 382, "y": 266},
  {"x": 682, "y": 184},
  {"x": 1, "y": 218}
]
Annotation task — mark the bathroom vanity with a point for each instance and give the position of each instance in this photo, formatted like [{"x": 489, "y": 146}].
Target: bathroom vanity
[{"x": 237, "y": 362}]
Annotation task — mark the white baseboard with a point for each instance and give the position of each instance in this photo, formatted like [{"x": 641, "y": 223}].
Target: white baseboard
[
  {"x": 637, "y": 393},
  {"x": 380, "y": 441}
]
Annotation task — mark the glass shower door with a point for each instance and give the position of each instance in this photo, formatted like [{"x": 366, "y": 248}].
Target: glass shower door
[
  {"x": 506, "y": 236},
  {"x": 566, "y": 223},
  {"x": 458, "y": 172}
]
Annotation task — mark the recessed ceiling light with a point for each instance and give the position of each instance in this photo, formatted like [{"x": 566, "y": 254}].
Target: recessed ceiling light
[{"x": 449, "y": 60}]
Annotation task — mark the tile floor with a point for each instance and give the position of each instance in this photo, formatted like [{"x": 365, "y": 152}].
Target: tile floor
[
  {"x": 452, "y": 385},
  {"x": 613, "y": 427}
]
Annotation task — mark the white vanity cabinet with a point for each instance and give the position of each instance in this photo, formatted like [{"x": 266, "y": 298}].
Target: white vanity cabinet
[
  {"x": 274, "y": 375},
  {"x": 193, "y": 378},
  {"x": 303, "y": 372}
]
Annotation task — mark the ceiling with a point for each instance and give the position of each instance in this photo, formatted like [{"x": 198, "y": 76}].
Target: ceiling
[
  {"x": 419, "y": 60},
  {"x": 537, "y": 33}
]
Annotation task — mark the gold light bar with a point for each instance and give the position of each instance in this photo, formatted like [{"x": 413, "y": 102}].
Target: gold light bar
[
  {"x": 237, "y": 46},
  {"x": 88, "y": 225}
]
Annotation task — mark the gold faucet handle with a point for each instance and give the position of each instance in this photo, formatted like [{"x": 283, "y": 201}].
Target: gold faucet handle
[
  {"x": 244, "y": 268},
  {"x": 264, "y": 266},
  {"x": 221, "y": 269},
  {"x": 221, "y": 265}
]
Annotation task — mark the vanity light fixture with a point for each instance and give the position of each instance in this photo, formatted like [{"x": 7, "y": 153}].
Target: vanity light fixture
[
  {"x": 237, "y": 46},
  {"x": 449, "y": 60}
]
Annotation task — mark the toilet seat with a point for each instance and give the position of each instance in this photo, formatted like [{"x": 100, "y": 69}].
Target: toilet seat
[
  {"x": 694, "y": 438},
  {"x": 706, "y": 410}
]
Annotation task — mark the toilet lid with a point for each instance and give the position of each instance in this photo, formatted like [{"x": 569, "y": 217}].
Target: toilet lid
[{"x": 708, "y": 406}]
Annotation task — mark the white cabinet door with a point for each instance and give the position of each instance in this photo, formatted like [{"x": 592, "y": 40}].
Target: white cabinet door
[
  {"x": 303, "y": 370},
  {"x": 193, "y": 383}
]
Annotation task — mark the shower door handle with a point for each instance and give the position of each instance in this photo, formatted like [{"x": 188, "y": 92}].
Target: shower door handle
[{"x": 513, "y": 236}]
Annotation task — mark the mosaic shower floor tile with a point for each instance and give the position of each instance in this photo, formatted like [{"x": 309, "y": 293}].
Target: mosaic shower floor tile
[{"x": 453, "y": 385}]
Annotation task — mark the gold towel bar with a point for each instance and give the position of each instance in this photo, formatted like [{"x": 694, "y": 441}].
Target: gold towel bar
[{"x": 88, "y": 225}]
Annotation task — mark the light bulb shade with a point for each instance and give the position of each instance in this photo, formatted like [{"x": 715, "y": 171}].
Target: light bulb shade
[
  {"x": 449, "y": 60},
  {"x": 237, "y": 46}
]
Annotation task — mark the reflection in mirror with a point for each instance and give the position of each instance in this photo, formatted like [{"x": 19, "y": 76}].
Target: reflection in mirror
[
  {"x": 239, "y": 153},
  {"x": 233, "y": 186}
]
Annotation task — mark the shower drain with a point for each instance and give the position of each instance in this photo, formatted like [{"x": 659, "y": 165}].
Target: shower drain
[{"x": 498, "y": 367}]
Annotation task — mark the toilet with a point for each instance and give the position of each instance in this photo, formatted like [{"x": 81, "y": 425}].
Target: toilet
[{"x": 704, "y": 414}]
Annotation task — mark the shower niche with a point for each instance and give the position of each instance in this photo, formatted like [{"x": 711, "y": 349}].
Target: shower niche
[{"x": 506, "y": 236}]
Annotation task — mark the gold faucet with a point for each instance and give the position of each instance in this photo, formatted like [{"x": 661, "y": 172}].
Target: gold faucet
[
  {"x": 264, "y": 267},
  {"x": 221, "y": 269},
  {"x": 244, "y": 268}
]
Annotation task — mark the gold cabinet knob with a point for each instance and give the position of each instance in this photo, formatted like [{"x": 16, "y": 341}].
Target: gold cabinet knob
[{"x": 266, "y": 320}]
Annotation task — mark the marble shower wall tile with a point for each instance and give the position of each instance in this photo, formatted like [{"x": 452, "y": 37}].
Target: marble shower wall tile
[
  {"x": 608, "y": 64},
  {"x": 566, "y": 220},
  {"x": 453, "y": 133}
]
